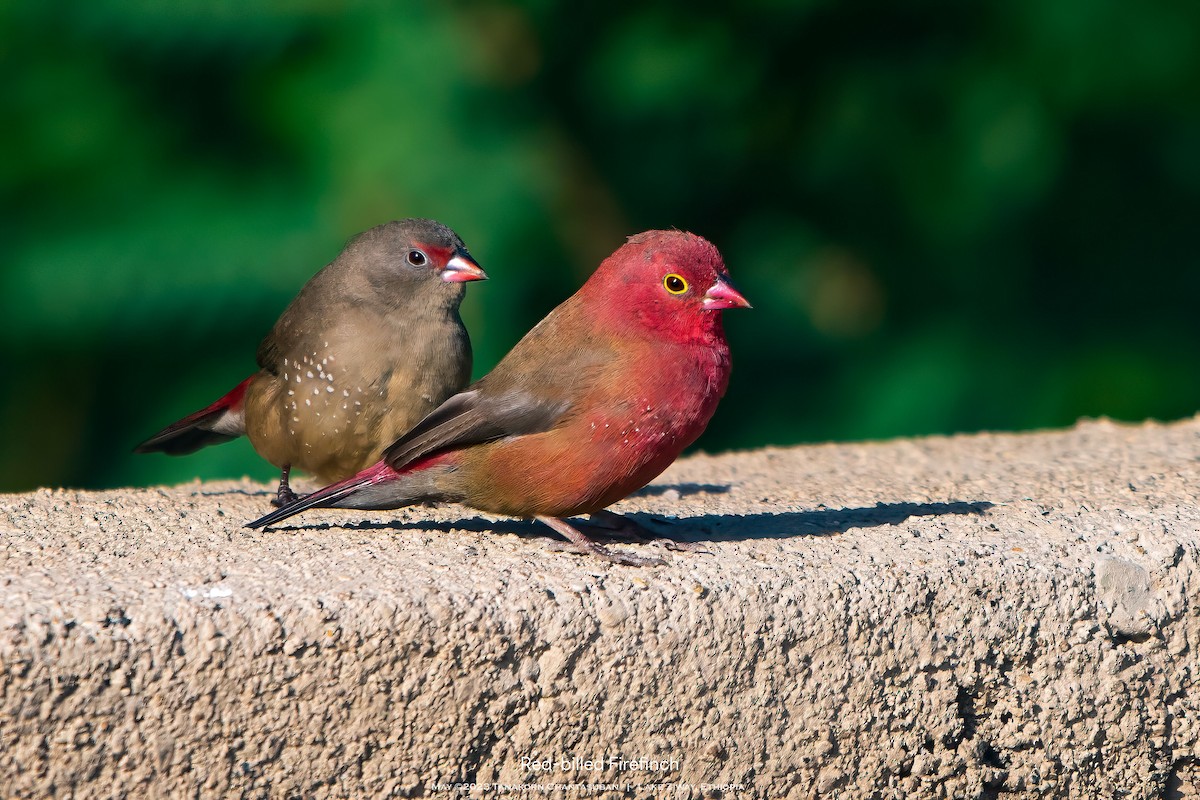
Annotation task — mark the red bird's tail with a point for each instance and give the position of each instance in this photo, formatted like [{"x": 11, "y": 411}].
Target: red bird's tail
[
  {"x": 223, "y": 421},
  {"x": 331, "y": 495}
]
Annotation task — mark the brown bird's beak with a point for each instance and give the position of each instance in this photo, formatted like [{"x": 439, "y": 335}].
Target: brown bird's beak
[
  {"x": 461, "y": 269},
  {"x": 722, "y": 295}
]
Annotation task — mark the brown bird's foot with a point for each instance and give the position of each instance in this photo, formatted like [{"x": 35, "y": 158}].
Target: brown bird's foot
[
  {"x": 284, "y": 496},
  {"x": 614, "y": 525},
  {"x": 583, "y": 544}
]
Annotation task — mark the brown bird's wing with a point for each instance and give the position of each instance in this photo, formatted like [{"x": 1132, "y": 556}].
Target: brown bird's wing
[{"x": 474, "y": 417}]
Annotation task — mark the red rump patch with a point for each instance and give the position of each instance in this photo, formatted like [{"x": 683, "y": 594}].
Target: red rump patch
[
  {"x": 232, "y": 401},
  {"x": 424, "y": 463}
]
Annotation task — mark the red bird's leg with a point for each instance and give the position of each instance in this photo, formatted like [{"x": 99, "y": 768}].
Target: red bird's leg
[
  {"x": 585, "y": 545},
  {"x": 284, "y": 496},
  {"x": 617, "y": 526}
]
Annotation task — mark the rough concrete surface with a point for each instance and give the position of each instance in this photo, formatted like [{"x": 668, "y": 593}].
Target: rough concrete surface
[{"x": 945, "y": 617}]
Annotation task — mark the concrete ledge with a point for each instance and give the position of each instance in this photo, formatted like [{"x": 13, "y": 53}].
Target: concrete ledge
[{"x": 944, "y": 617}]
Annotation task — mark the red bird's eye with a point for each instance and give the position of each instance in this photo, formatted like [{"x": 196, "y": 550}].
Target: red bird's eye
[
  {"x": 675, "y": 284},
  {"x": 417, "y": 258}
]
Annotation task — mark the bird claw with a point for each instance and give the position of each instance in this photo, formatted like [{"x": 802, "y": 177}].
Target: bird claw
[
  {"x": 284, "y": 496},
  {"x": 615, "y": 526},
  {"x": 580, "y": 543}
]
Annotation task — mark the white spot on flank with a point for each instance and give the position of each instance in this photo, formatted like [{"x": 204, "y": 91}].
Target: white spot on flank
[
  {"x": 310, "y": 373},
  {"x": 291, "y": 392},
  {"x": 307, "y": 402},
  {"x": 285, "y": 377},
  {"x": 329, "y": 389},
  {"x": 316, "y": 391},
  {"x": 345, "y": 392}
]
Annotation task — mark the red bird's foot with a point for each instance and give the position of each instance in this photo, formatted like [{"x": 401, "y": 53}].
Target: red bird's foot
[
  {"x": 583, "y": 544},
  {"x": 614, "y": 525}
]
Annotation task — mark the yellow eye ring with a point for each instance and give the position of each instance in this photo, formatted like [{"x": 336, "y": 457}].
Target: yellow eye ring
[{"x": 675, "y": 284}]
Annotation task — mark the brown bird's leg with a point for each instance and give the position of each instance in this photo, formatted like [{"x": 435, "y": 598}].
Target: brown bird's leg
[
  {"x": 619, "y": 527},
  {"x": 585, "y": 545},
  {"x": 284, "y": 496}
]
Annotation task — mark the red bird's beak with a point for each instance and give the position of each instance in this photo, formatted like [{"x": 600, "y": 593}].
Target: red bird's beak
[
  {"x": 722, "y": 295},
  {"x": 460, "y": 269}
]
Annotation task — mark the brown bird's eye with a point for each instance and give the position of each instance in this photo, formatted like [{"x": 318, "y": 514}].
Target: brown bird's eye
[
  {"x": 417, "y": 258},
  {"x": 675, "y": 284}
]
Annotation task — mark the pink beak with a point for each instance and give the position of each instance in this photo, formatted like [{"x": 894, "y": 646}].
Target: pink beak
[
  {"x": 722, "y": 295},
  {"x": 461, "y": 269}
]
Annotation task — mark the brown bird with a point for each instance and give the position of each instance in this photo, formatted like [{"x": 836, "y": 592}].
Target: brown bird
[{"x": 370, "y": 345}]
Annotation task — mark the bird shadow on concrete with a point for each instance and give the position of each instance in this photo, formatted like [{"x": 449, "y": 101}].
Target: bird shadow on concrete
[
  {"x": 713, "y": 527},
  {"x": 783, "y": 525}
]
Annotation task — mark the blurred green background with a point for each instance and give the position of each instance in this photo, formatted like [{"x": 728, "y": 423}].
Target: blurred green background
[{"x": 950, "y": 216}]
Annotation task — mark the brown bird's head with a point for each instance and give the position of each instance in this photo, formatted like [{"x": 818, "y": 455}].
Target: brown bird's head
[
  {"x": 670, "y": 282},
  {"x": 398, "y": 260}
]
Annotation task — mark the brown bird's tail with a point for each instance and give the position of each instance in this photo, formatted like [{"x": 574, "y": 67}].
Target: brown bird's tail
[
  {"x": 333, "y": 495},
  {"x": 223, "y": 421}
]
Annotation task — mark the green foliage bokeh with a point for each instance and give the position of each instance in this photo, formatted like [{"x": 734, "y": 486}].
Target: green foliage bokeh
[{"x": 950, "y": 216}]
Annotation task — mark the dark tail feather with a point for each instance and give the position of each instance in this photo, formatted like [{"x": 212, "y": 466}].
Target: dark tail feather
[
  {"x": 322, "y": 498},
  {"x": 223, "y": 421}
]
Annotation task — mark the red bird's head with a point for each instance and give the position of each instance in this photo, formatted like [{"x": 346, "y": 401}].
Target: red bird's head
[{"x": 671, "y": 282}]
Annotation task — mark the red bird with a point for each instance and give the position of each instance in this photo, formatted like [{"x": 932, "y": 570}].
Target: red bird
[
  {"x": 593, "y": 403},
  {"x": 372, "y": 344}
]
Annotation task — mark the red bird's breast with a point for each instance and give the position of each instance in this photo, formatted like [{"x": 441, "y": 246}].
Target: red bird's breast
[{"x": 635, "y": 420}]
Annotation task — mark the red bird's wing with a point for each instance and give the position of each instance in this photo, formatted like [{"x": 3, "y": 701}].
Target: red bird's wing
[{"x": 474, "y": 417}]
